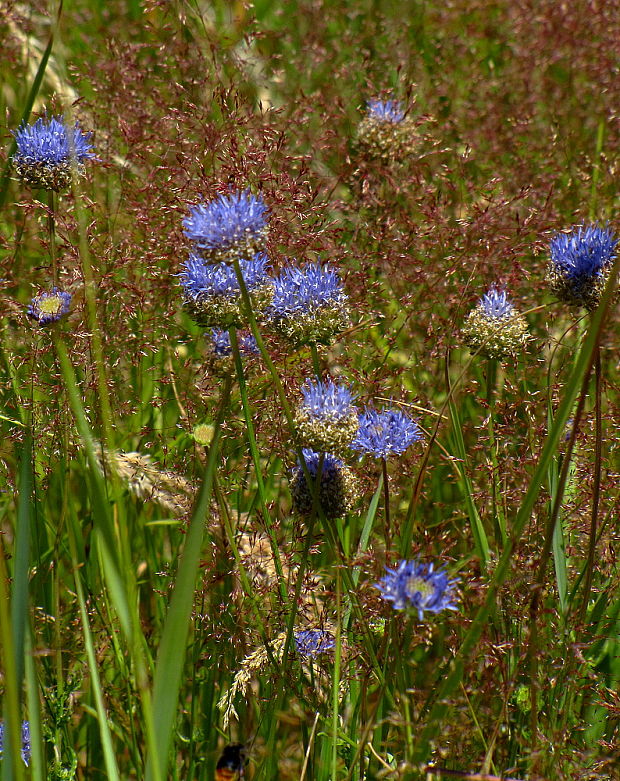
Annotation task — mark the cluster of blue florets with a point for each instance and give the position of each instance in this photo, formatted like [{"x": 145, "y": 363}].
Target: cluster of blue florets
[
  {"x": 201, "y": 280},
  {"x": 496, "y": 304},
  {"x": 418, "y": 587},
  {"x": 327, "y": 400},
  {"x": 385, "y": 110},
  {"x": 494, "y": 328},
  {"x": 229, "y": 227},
  {"x": 309, "y": 305},
  {"x": 385, "y": 433},
  {"x": 326, "y": 419},
  {"x": 45, "y": 151},
  {"x": 386, "y": 133},
  {"x": 584, "y": 252},
  {"x": 580, "y": 262},
  {"x": 312, "y": 642},
  {"x": 213, "y": 294},
  {"x": 25, "y": 749},
  {"x": 49, "y": 307}
]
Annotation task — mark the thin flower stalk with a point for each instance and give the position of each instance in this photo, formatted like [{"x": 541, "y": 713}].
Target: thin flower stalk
[{"x": 247, "y": 412}]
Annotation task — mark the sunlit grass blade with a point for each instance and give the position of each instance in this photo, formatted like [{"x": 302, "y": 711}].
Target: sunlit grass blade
[
  {"x": 21, "y": 559},
  {"x": 172, "y": 647},
  {"x": 111, "y": 766},
  {"x": 37, "y": 766},
  {"x": 100, "y": 503},
  {"x": 11, "y": 767},
  {"x": 559, "y": 548},
  {"x": 480, "y": 538}
]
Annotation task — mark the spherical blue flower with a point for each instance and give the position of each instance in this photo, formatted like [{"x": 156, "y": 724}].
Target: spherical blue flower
[
  {"x": 229, "y": 227},
  {"x": 220, "y": 343},
  {"x": 579, "y": 262},
  {"x": 336, "y": 489},
  {"x": 417, "y": 586},
  {"x": 47, "y": 308},
  {"x": 309, "y": 305},
  {"x": 385, "y": 110},
  {"x": 25, "y": 750},
  {"x": 496, "y": 304},
  {"x": 494, "y": 328},
  {"x": 311, "y": 642},
  {"x": 45, "y": 151},
  {"x": 201, "y": 280},
  {"x": 326, "y": 420},
  {"x": 212, "y": 292},
  {"x": 220, "y": 357},
  {"x": 584, "y": 252},
  {"x": 385, "y": 433},
  {"x": 326, "y": 399}
]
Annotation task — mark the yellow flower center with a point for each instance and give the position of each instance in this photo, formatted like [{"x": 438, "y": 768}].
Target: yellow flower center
[
  {"x": 51, "y": 305},
  {"x": 420, "y": 585}
]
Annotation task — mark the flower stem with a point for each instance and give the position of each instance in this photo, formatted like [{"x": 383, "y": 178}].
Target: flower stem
[
  {"x": 51, "y": 226},
  {"x": 234, "y": 343},
  {"x": 499, "y": 519},
  {"x": 386, "y": 495},
  {"x": 316, "y": 364},
  {"x": 596, "y": 490}
]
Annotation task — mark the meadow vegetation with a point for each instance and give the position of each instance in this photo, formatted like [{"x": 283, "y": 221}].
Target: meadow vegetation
[{"x": 202, "y": 534}]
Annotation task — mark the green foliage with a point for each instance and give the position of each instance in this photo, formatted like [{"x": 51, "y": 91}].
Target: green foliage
[{"x": 152, "y": 580}]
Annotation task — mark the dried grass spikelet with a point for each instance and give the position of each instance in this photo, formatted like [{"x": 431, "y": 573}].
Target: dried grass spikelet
[
  {"x": 258, "y": 562},
  {"x": 252, "y": 664},
  {"x": 147, "y": 482}
]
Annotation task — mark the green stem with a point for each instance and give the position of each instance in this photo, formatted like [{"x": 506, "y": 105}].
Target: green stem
[
  {"x": 170, "y": 661},
  {"x": 234, "y": 343},
  {"x": 386, "y": 497},
  {"x": 10, "y": 764},
  {"x": 316, "y": 364},
  {"x": 499, "y": 519},
  {"x": 596, "y": 490},
  {"x": 336, "y": 677},
  {"x": 51, "y": 226},
  {"x": 249, "y": 312},
  {"x": 532, "y": 656}
]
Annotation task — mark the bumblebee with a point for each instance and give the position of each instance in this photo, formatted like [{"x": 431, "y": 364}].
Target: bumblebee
[{"x": 231, "y": 765}]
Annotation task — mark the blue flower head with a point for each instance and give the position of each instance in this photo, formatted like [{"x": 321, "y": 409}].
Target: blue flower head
[
  {"x": 326, "y": 399},
  {"x": 336, "y": 489},
  {"x": 385, "y": 111},
  {"x": 385, "y": 133},
  {"x": 416, "y": 586},
  {"x": 496, "y": 304},
  {"x": 385, "y": 433},
  {"x": 220, "y": 357},
  {"x": 212, "y": 292},
  {"x": 229, "y": 227},
  {"x": 494, "y": 328},
  {"x": 309, "y": 305},
  {"x": 220, "y": 343},
  {"x": 45, "y": 151},
  {"x": 326, "y": 420},
  {"x": 47, "y": 308},
  {"x": 579, "y": 262},
  {"x": 25, "y": 750},
  {"x": 311, "y": 642}
]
